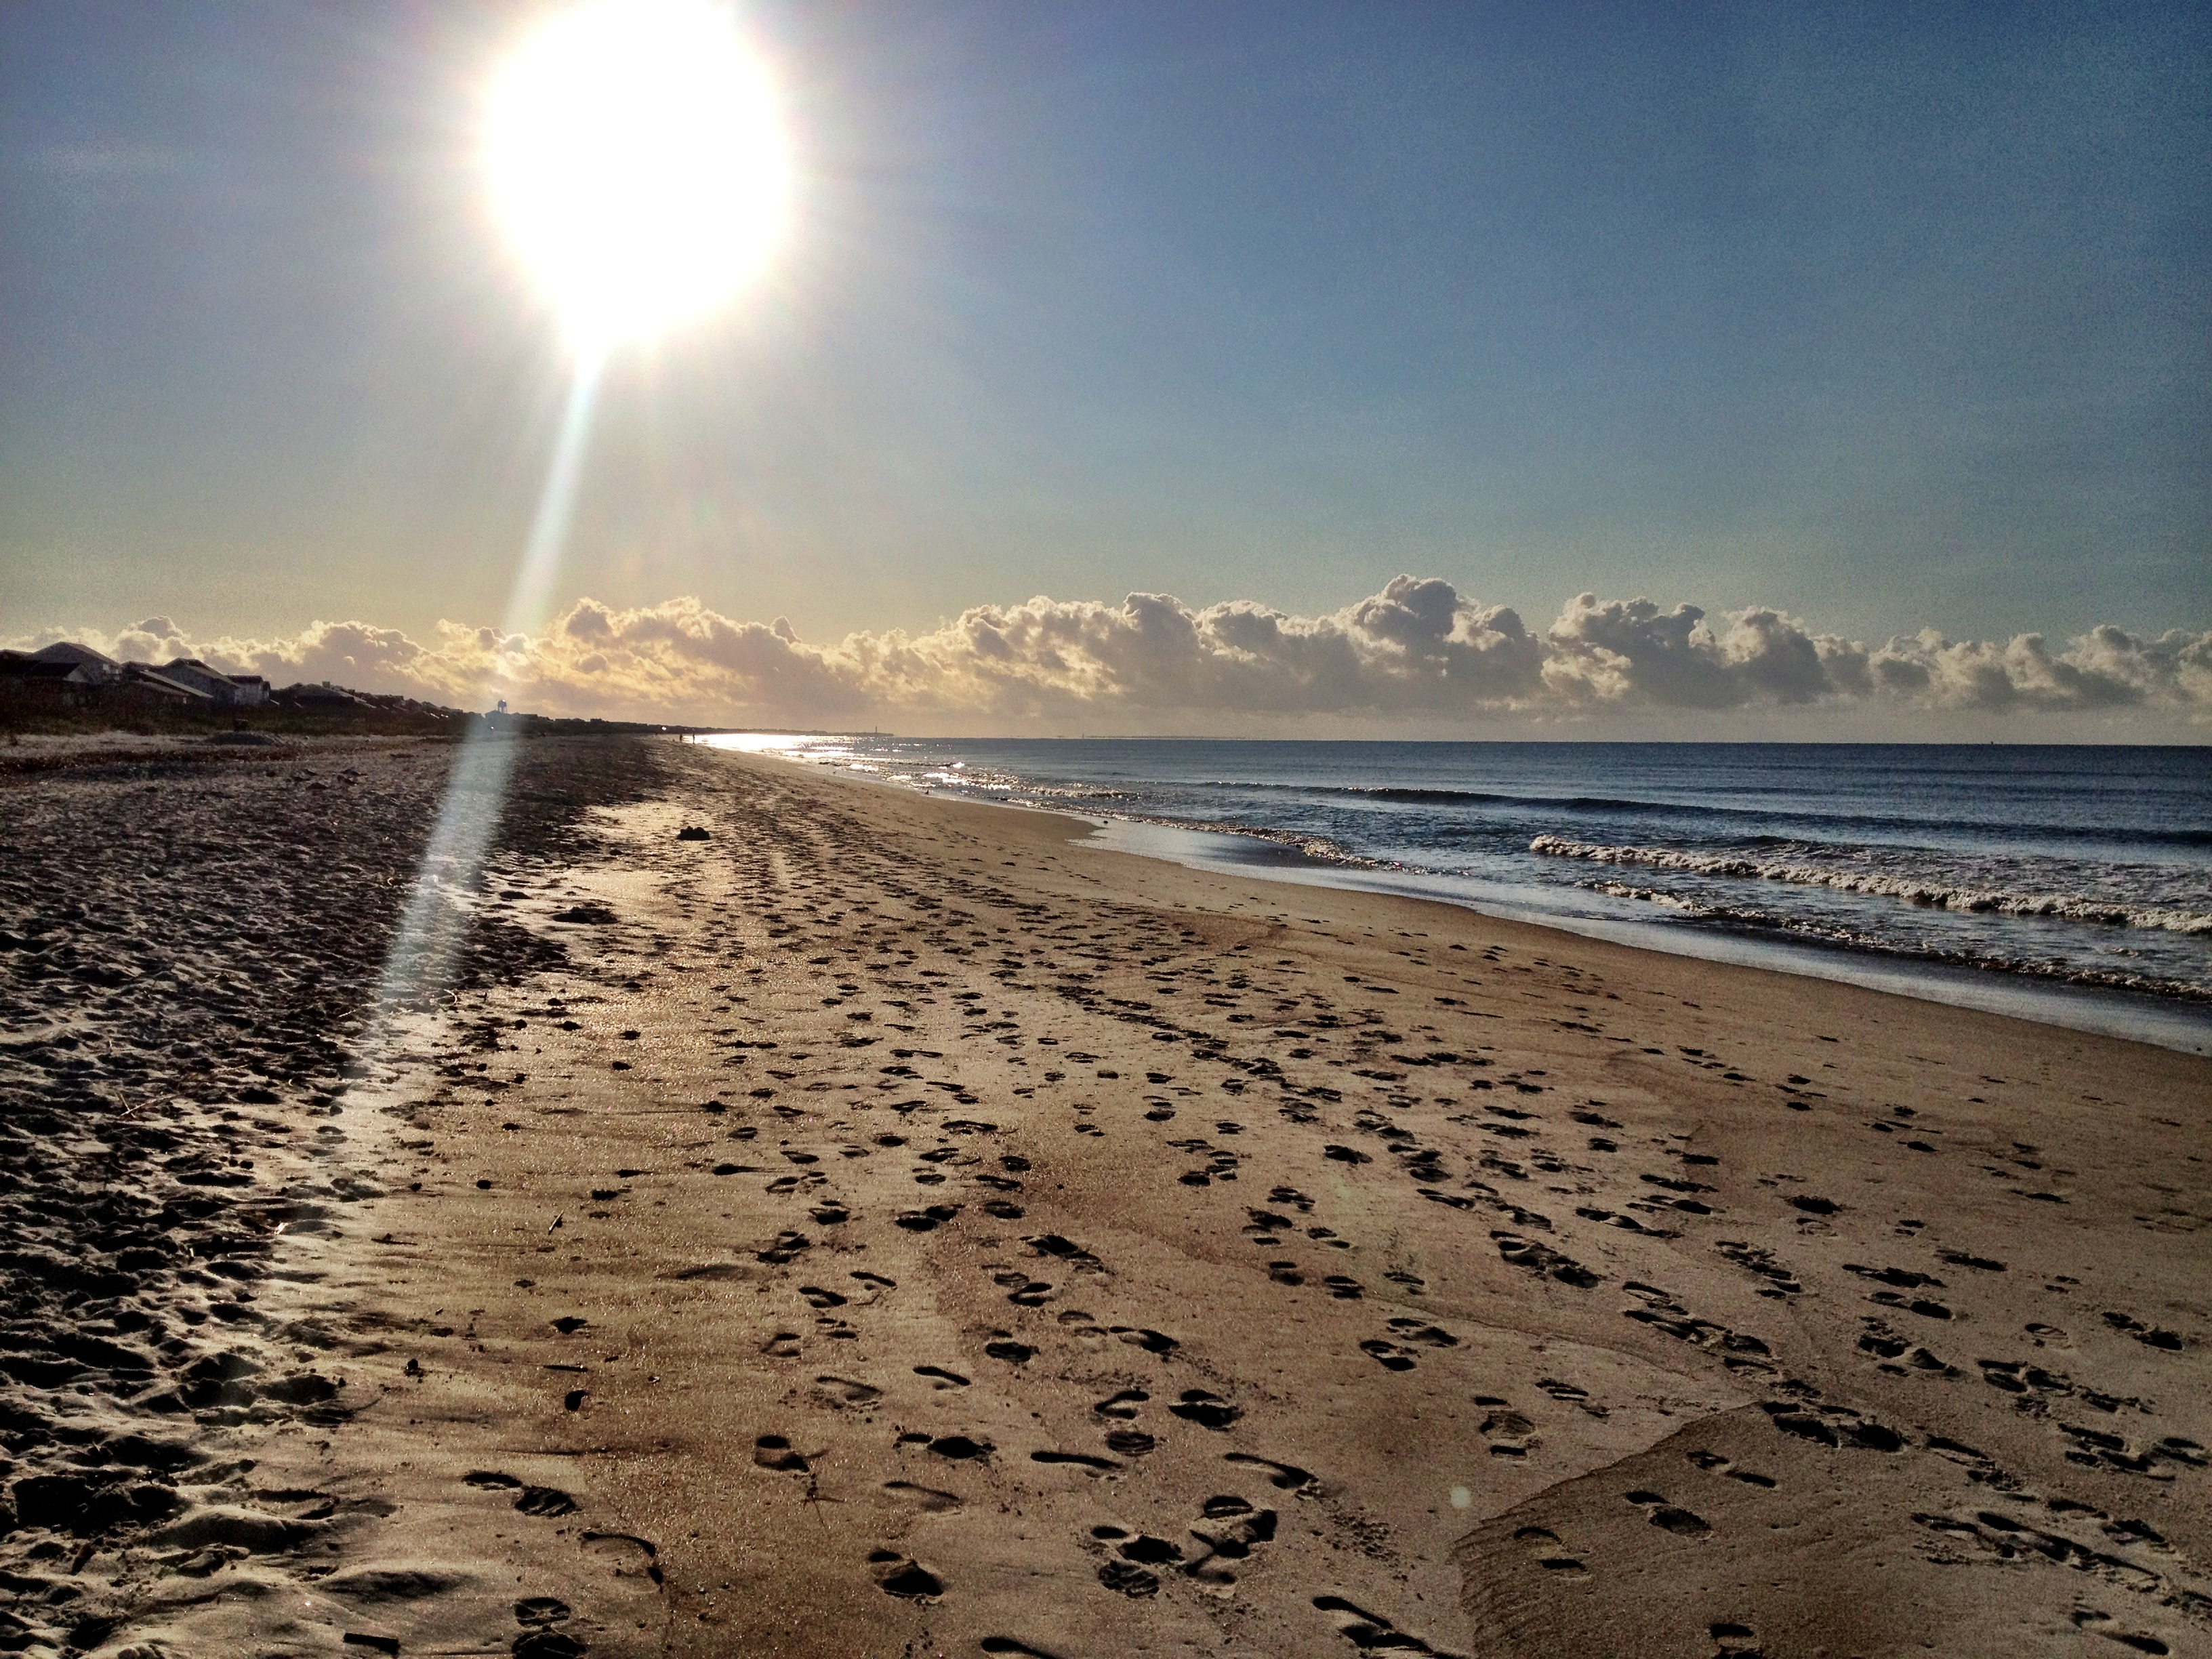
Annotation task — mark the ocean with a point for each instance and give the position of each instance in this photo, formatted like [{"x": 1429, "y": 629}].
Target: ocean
[{"x": 2072, "y": 884}]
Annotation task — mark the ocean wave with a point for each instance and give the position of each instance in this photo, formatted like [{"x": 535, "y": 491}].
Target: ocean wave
[
  {"x": 1414, "y": 795},
  {"x": 1934, "y": 894},
  {"x": 1824, "y": 932},
  {"x": 1318, "y": 847}
]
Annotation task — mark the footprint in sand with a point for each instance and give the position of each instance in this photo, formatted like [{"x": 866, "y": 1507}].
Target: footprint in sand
[
  {"x": 1128, "y": 1578},
  {"x": 539, "y": 1644},
  {"x": 926, "y": 1220},
  {"x": 773, "y": 1451},
  {"x": 1083, "y": 1461},
  {"x": 1669, "y": 1516},
  {"x": 2150, "y": 1336},
  {"x": 633, "y": 1557},
  {"x": 541, "y": 1610},
  {"x": 1717, "y": 1465},
  {"x": 1961, "y": 1258},
  {"x": 1568, "y": 1393},
  {"x": 1511, "y": 1434},
  {"x": 530, "y": 1500},
  {"x": 841, "y": 1392},
  {"x": 1431, "y": 1336},
  {"x": 1066, "y": 1250},
  {"x": 1122, "y": 1406},
  {"x": 1542, "y": 1260},
  {"x": 1832, "y": 1425},
  {"x": 2094, "y": 1619},
  {"x": 1022, "y": 1291},
  {"x": 1284, "y": 1476},
  {"x": 1365, "y": 1630},
  {"x": 1543, "y": 1539},
  {"x": 957, "y": 1447},
  {"x": 1207, "y": 1409},
  {"x": 787, "y": 1246},
  {"x": 1888, "y": 1347},
  {"x": 1229, "y": 1526},
  {"x": 1782, "y": 1282},
  {"x": 927, "y": 1497},
  {"x": 896, "y": 1575}
]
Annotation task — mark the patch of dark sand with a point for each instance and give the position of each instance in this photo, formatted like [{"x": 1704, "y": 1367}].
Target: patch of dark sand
[{"x": 187, "y": 954}]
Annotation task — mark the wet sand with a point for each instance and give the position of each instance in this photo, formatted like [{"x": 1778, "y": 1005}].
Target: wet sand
[{"x": 889, "y": 1227}]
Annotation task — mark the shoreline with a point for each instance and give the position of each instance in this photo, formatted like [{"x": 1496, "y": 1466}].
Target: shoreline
[
  {"x": 2180, "y": 1023},
  {"x": 885, "y": 1225}
]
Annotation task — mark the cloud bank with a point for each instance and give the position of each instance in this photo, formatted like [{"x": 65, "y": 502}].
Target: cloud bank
[{"x": 1418, "y": 656}]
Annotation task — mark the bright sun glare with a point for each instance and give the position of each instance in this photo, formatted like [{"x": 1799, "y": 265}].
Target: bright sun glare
[{"x": 637, "y": 162}]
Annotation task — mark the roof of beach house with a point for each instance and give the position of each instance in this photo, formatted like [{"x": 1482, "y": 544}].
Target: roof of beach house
[
  {"x": 155, "y": 679},
  {"x": 69, "y": 651},
  {"x": 192, "y": 667}
]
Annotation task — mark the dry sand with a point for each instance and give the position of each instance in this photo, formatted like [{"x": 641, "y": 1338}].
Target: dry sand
[{"x": 889, "y": 1227}]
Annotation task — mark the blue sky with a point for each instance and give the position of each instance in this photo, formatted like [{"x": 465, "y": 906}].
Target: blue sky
[{"x": 1893, "y": 317}]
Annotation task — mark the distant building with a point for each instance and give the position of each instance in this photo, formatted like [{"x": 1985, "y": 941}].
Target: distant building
[
  {"x": 325, "y": 696},
  {"x": 25, "y": 674},
  {"x": 95, "y": 668},
  {"x": 158, "y": 685},
  {"x": 225, "y": 690}
]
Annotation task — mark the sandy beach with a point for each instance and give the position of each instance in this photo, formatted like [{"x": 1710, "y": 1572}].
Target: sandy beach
[{"x": 885, "y": 1225}]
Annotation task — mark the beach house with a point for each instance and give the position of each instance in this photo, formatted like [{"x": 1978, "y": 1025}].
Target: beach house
[{"x": 225, "y": 690}]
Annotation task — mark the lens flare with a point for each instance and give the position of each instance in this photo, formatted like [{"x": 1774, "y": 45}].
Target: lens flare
[
  {"x": 636, "y": 159},
  {"x": 637, "y": 162}
]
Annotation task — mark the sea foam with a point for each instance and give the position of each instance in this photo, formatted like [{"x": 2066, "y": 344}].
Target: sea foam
[{"x": 1912, "y": 889}]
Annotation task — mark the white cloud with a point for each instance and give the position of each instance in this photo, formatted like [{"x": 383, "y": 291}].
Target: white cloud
[
  {"x": 2106, "y": 667},
  {"x": 1418, "y": 655},
  {"x": 1630, "y": 651}
]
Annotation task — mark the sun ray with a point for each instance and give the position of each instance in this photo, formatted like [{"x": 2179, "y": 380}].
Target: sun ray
[{"x": 635, "y": 159}]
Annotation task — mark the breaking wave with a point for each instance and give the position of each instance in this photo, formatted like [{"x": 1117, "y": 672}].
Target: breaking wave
[
  {"x": 1630, "y": 806},
  {"x": 2102, "y": 979},
  {"x": 1911, "y": 891}
]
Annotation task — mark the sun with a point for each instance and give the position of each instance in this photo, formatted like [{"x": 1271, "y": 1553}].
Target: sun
[{"x": 637, "y": 163}]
